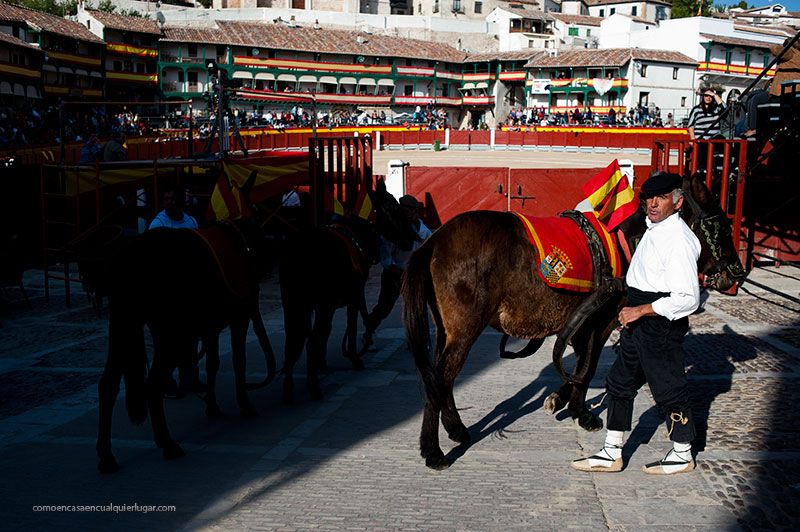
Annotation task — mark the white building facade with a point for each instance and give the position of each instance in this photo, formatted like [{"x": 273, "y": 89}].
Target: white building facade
[{"x": 727, "y": 55}]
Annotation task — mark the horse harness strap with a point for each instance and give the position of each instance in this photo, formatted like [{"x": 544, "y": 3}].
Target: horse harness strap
[{"x": 605, "y": 286}]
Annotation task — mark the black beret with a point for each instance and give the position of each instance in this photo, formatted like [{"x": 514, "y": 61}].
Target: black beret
[{"x": 660, "y": 183}]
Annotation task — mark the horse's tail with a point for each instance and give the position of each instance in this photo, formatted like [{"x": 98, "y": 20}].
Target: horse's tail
[
  {"x": 417, "y": 293},
  {"x": 128, "y": 355}
]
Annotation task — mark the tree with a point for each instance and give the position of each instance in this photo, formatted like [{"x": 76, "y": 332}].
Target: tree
[
  {"x": 690, "y": 8},
  {"x": 54, "y": 7},
  {"x": 106, "y": 6}
]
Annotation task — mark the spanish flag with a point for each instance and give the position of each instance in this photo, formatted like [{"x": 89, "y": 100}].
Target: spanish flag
[
  {"x": 610, "y": 196},
  {"x": 227, "y": 201},
  {"x": 274, "y": 175}
]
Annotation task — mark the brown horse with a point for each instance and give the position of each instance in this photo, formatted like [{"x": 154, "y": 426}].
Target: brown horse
[
  {"x": 183, "y": 285},
  {"x": 477, "y": 270},
  {"x": 324, "y": 269}
]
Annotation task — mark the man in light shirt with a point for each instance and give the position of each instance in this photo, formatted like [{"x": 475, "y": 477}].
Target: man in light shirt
[
  {"x": 663, "y": 291},
  {"x": 394, "y": 261}
]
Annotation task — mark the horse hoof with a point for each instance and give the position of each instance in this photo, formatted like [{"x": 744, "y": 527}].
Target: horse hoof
[
  {"x": 552, "y": 403},
  {"x": 590, "y": 422},
  {"x": 213, "y": 412},
  {"x": 108, "y": 465},
  {"x": 173, "y": 451},
  {"x": 437, "y": 461},
  {"x": 460, "y": 436}
]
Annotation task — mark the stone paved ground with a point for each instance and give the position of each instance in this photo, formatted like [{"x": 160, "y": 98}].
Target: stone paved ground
[{"x": 351, "y": 461}]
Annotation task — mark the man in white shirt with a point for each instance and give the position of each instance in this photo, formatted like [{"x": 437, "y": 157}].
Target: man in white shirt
[
  {"x": 663, "y": 291},
  {"x": 173, "y": 216},
  {"x": 394, "y": 261}
]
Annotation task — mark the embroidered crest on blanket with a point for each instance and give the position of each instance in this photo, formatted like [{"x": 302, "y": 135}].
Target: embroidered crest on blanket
[{"x": 562, "y": 251}]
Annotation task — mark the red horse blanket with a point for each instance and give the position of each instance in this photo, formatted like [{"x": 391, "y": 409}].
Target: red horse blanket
[{"x": 563, "y": 251}]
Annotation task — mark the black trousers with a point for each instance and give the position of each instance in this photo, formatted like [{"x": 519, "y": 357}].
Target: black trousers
[
  {"x": 651, "y": 351},
  {"x": 390, "y": 292}
]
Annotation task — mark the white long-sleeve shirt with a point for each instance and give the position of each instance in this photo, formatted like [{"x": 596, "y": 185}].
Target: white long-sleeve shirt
[
  {"x": 392, "y": 255},
  {"x": 666, "y": 261}
]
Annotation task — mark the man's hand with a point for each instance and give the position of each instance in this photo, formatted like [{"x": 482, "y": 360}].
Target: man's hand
[{"x": 630, "y": 314}]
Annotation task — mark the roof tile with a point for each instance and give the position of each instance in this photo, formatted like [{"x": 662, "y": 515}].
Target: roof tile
[
  {"x": 302, "y": 39},
  {"x": 47, "y": 22},
  {"x": 609, "y": 57},
  {"x": 125, "y": 23},
  {"x": 10, "y": 39}
]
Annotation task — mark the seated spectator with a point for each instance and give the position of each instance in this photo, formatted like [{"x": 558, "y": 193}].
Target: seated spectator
[
  {"x": 91, "y": 150},
  {"x": 172, "y": 216},
  {"x": 114, "y": 149}
]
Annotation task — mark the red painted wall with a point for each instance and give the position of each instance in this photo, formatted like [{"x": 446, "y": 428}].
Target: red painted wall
[{"x": 448, "y": 191}]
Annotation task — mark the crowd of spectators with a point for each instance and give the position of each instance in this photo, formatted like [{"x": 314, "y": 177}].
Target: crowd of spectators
[
  {"x": 639, "y": 116},
  {"x": 32, "y": 125}
]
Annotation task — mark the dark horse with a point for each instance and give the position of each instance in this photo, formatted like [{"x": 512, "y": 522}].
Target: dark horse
[
  {"x": 478, "y": 270},
  {"x": 326, "y": 268},
  {"x": 184, "y": 285}
]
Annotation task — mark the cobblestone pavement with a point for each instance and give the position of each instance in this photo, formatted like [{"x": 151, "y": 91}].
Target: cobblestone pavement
[{"x": 351, "y": 461}]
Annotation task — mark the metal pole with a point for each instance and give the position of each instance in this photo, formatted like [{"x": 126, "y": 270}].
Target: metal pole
[
  {"x": 314, "y": 117},
  {"x": 190, "y": 150},
  {"x": 61, "y": 131}
]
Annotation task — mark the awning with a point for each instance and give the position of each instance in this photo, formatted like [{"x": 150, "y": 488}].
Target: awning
[
  {"x": 482, "y": 85},
  {"x": 19, "y": 89},
  {"x": 367, "y": 82},
  {"x": 286, "y": 77},
  {"x": 5, "y": 88},
  {"x": 94, "y": 74},
  {"x": 65, "y": 70},
  {"x": 242, "y": 74},
  {"x": 328, "y": 79},
  {"x": 81, "y": 72},
  {"x": 50, "y": 68},
  {"x": 307, "y": 79},
  {"x": 33, "y": 92},
  {"x": 351, "y": 81},
  {"x": 265, "y": 76},
  {"x": 386, "y": 82},
  {"x": 468, "y": 86}
]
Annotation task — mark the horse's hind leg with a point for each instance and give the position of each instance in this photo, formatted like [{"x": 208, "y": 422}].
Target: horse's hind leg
[
  {"x": 108, "y": 390},
  {"x": 429, "y": 433},
  {"x": 449, "y": 366},
  {"x": 156, "y": 384},
  {"x": 239, "y": 348},
  {"x": 211, "y": 343},
  {"x": 295, "y": 324},
  {"x": 317, "y": 348}
]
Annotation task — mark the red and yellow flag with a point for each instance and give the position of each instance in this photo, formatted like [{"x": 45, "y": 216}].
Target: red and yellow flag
[
  {"x": 610, "y": 195},
  {"x": 227, "y": 201},
  {"x": 275, "y": 174}
]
